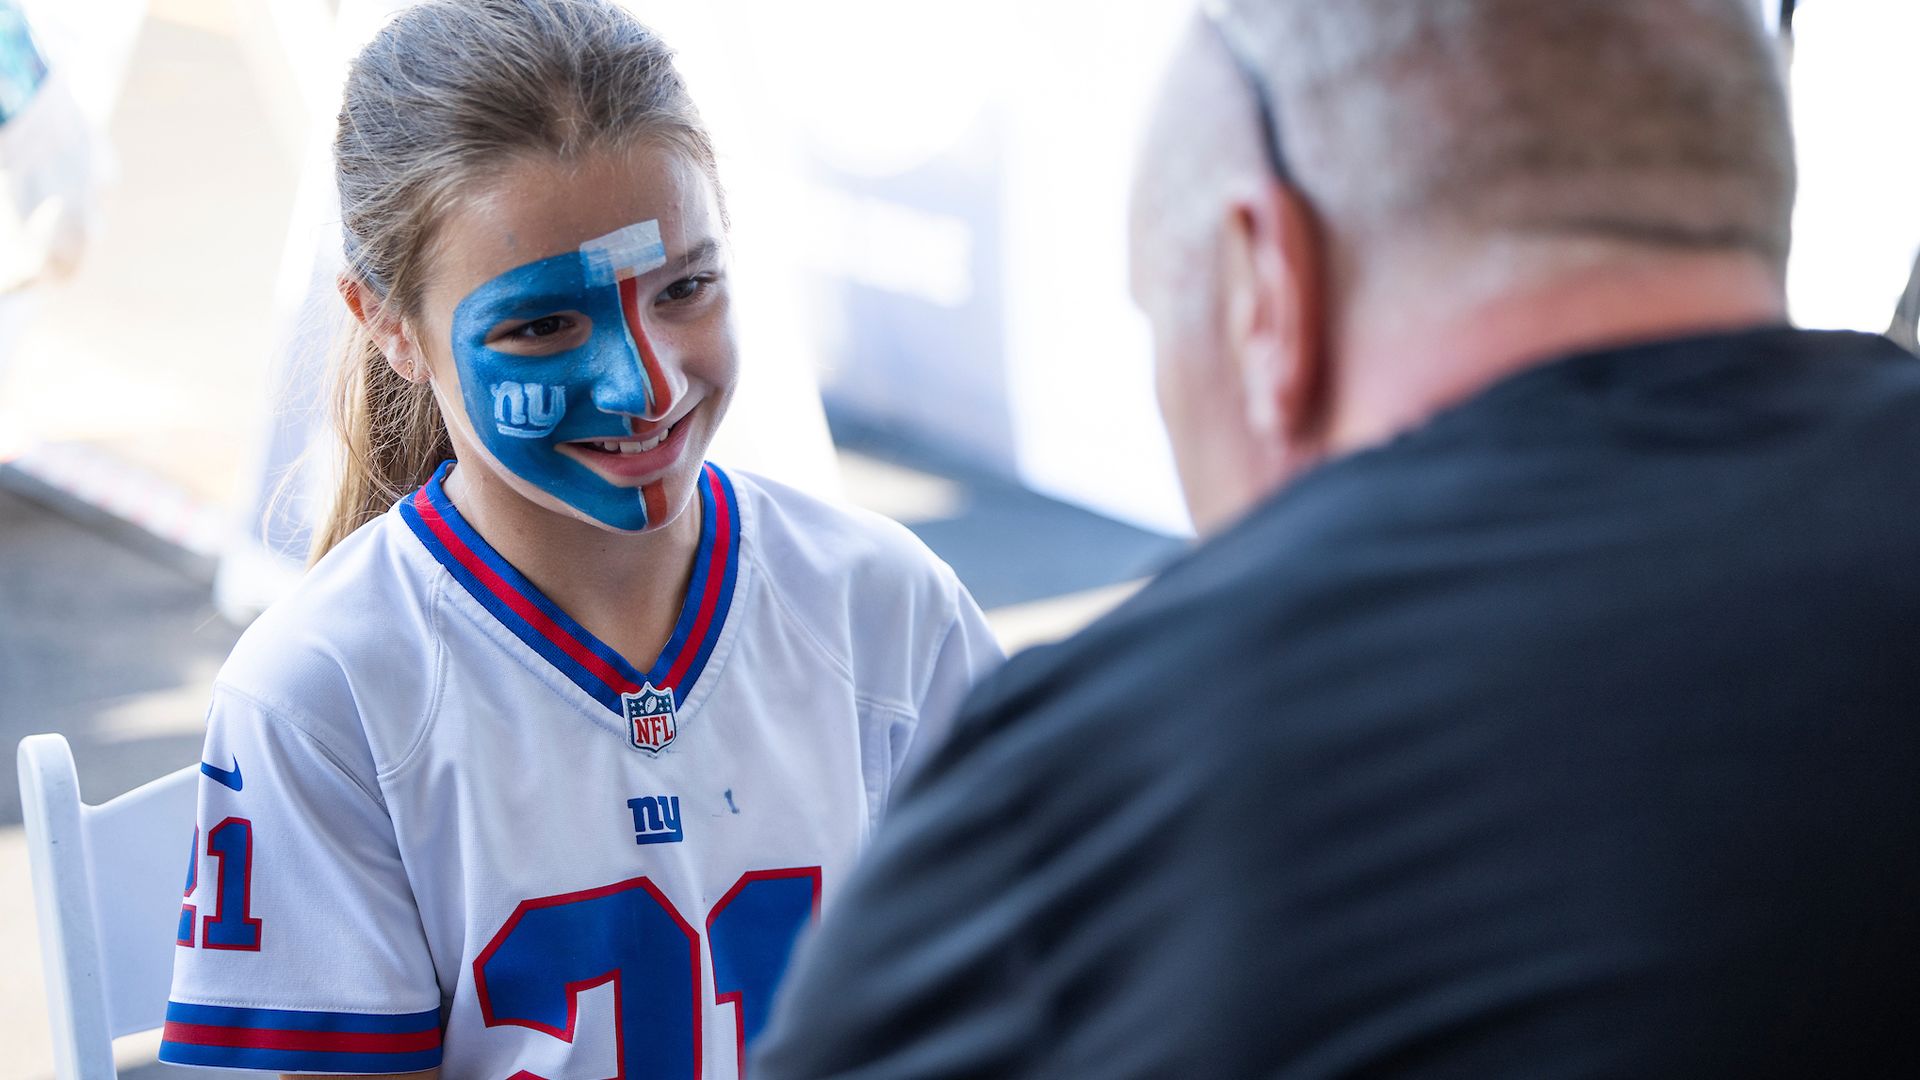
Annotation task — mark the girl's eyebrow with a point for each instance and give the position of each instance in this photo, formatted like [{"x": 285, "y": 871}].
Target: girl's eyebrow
[
  {"x": 704, "y": 251},
  {"x": 541, "y": 300},
  {"x": 518, "y": 305}
]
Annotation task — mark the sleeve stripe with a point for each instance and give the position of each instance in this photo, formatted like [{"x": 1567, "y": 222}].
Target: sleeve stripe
[
  {"x": 290, "y": 1061},
  {"x": 289, "y": 1040},
  {"x": 300, "y": 1019},
  {"x": 352, "y": 1042}
]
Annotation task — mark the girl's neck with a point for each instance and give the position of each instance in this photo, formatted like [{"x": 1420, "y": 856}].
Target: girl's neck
[{"x": 625, "y": 588}]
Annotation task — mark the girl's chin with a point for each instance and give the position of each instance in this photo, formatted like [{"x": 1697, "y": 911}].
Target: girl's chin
[
  {"x": 662, "y": 501},
  {"x": 620, "y": 506}
]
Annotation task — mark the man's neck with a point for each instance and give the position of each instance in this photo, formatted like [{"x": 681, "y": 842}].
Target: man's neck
[{"x": 1400, "y": 363}]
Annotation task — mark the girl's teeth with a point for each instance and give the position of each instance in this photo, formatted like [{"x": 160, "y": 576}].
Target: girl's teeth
[{"x": 631, "y": 447}]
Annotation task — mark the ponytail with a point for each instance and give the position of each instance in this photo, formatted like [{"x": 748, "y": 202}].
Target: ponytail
[{"x": 391, "y": 436}]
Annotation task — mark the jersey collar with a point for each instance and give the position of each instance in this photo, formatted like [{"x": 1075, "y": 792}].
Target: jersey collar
[{"x": 583, "y": 658}]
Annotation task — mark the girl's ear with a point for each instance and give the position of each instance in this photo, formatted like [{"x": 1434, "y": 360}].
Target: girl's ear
[{"x": 389, "y": 331}]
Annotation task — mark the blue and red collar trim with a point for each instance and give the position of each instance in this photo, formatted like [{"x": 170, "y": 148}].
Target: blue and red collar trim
[{"x": 589, "y": 662}]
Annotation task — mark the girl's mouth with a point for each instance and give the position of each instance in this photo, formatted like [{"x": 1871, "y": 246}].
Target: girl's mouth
[{"x": 627, "y": 460}]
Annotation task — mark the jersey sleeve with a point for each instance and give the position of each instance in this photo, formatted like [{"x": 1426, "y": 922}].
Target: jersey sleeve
[
  {"x": 300, "y": 947},
  {"x": 967, "y": 651}
]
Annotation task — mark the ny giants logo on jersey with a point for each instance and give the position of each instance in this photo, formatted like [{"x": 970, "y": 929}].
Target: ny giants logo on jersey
[
  {"x": 656, "y": 819},
  {"x": 650, "y": 720}
]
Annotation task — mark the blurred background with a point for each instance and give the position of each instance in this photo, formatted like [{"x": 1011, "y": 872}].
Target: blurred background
[{"x": 928, "y": 205}]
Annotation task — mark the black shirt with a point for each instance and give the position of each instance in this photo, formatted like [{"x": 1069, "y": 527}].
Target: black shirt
[{"x": 1572, "y": 734}]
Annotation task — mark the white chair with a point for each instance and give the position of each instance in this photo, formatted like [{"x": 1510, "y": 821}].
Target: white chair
[{"x": 107, "y": 883}]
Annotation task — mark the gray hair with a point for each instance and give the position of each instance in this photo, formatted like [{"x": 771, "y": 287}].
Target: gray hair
[{"x": 1643, "y": 122}]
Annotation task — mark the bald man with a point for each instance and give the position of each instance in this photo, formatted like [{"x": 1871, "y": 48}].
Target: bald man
[{"x": 1544, "y": 700}]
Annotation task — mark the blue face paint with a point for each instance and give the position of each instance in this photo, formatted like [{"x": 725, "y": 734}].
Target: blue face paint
[{"x": 523, "y": 407}]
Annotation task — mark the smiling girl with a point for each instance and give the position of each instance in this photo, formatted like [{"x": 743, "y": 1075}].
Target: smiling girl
[{"x": 570, "y": 733}]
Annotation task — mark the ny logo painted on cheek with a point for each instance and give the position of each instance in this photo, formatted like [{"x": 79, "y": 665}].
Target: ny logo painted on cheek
[{"x": 528, "y": 410}]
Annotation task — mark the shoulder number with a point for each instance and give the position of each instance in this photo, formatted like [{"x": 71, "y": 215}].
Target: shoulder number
[{"x": 232, "y": 925}]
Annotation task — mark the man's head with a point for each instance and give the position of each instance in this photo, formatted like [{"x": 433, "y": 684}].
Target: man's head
[{"x": 1441, "y": 155}]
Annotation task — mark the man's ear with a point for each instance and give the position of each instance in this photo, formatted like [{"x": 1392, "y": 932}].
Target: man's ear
[
  {"x": 1273, "y": 281},
  {"x": 389, "y": 330}
]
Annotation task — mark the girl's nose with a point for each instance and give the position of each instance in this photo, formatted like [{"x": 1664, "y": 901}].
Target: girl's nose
[{"x": 648, "y": 386}]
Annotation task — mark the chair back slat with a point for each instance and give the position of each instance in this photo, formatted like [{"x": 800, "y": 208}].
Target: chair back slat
[
  {"x": 137, "y": 848},
  {"x": 106, "y": 892}
]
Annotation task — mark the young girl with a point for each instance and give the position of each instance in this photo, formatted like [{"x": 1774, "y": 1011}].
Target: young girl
[{"x": 541, "y": 771}]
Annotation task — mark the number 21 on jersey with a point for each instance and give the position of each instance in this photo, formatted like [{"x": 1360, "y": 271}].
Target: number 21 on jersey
[
  {"x": 629, "y": 934},
  {"x": 232, "y": 925}
]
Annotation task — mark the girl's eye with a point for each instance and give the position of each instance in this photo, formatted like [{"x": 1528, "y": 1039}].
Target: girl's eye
[
  {"x": 542, "y": 327},
  {"x": 686, "y": 289},
  {"x": 544, "y": 336}
]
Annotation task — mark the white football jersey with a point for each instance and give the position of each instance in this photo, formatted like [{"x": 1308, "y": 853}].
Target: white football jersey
[{"x": 441, "y": 823}]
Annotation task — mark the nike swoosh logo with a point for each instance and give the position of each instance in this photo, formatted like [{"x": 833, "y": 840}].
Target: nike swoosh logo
[{"x": 224, "y": 777}]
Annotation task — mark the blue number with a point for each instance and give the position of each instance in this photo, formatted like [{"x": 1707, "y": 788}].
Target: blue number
[
  {"x": 187, "y": 911},
  {"x": 550, "y": 949},
  {"x": 532, "y": 972},
  {"x": 231, "y": 926},
  {"x": 751, "y": 933}
]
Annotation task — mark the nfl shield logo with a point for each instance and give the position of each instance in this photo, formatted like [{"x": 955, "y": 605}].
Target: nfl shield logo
[{"x": 650, "y": 718}]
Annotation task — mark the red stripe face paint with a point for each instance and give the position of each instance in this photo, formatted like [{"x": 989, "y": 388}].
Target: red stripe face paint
[
  {"x": 654, "y": 497},
  {"x": 662, "y": 391}
]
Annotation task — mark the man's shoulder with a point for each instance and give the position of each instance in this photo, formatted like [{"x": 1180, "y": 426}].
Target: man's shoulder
[
  {"x": 1589, "y": 475},
  {"x": 1127, "y": 685}
]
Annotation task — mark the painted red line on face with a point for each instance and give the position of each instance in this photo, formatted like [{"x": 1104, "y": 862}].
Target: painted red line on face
[
  {"x": 654, "y": 497},
  {"x": 716, "y": 573},
  {"x": 521, "y": 606},
  {"x": 659, "y": 392}
]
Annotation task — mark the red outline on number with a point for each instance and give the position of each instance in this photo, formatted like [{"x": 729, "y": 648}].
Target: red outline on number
[
  {"x": 574, "y": 989},
  {"x": 246, "y": 892},
  {"x": 192, "y": 911},
  {"x": 733, "y": 998}
]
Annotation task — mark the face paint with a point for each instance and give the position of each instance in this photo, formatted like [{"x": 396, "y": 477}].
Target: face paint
[{"x": 524, "y": 406}]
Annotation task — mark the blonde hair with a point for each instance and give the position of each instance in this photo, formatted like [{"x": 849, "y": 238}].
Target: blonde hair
[{"x": 447, "y": 93}]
